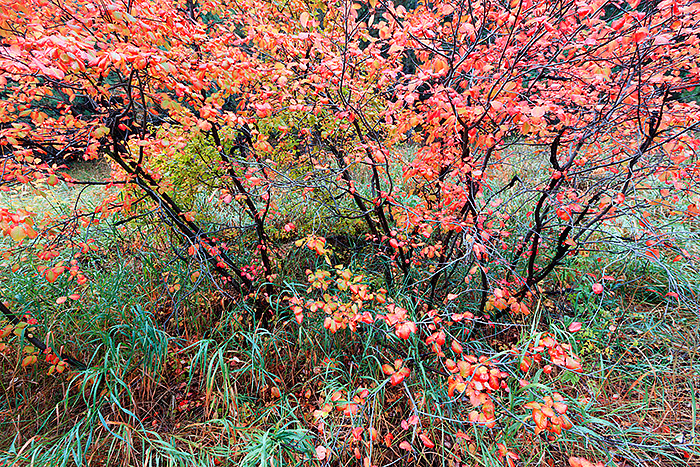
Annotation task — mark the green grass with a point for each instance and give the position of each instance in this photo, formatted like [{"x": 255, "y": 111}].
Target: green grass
[{"x": 176, "y": 377}]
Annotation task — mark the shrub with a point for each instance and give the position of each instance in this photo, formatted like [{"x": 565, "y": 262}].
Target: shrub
[{"x": 434, "y": 165}]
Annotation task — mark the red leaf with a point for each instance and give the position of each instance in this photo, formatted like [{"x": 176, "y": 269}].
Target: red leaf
[{"x": 426, "y": 441}]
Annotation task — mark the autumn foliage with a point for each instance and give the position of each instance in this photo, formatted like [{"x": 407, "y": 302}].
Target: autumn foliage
[{"x": 403, "y": 179}]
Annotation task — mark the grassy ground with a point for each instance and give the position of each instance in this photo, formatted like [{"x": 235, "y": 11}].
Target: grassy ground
[{"x": 177, "y": 378}]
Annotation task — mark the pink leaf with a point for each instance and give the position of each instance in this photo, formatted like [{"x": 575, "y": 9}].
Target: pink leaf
[
  {"x": 538, "y": 112},
  {"x": 321, "y": 452}
]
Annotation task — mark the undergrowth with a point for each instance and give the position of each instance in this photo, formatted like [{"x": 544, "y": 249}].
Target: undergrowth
[{"x": 176, "y": 375}]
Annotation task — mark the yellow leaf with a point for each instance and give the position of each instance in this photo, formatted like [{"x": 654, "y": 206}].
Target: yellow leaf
[
  {"x": 28, "y": 360},
  {"x": 439, "y": 65},
  {"x": 17, "y": 233},
  {"x": 31, "y": 233}
]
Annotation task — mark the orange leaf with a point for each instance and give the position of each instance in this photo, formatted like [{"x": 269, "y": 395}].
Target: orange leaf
[{"x": 539, "y": 418}]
